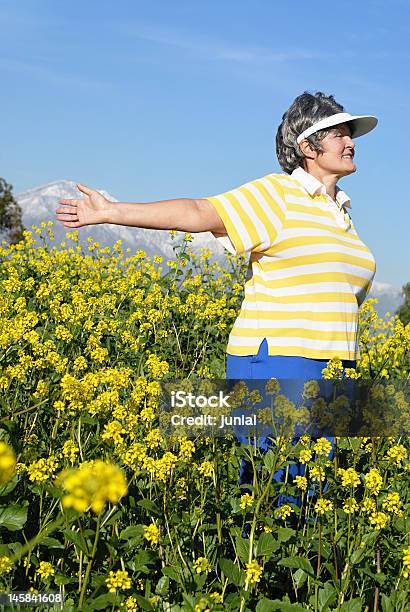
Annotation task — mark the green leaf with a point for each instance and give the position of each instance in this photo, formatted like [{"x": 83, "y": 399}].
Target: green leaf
[
  {"x": 141, "y": 560},
  {"x": 298, "y": 563},
  {"x": 173, "y": 574},
  {"x": 289, "y": 607},
  {"x": 114, "y": 518},
  {"x": 9, "y": 486},
  {"x": 103, "y": 602},
  {"x": 354, "y": 605},
  {"x": 162, "y": 587},
  {"x": 76, "y": 539},
  {"x": 285, "y": 533},
  {"x": 68, "y": 605},
  {"x": 132, "y": 531},
  {"x": 232, "y": 601},
  {"x": 269, "y": 605},
  {"x": 189, "y": 602},
  {"x": 231, "y": 571},
  {"x": 60, "y": 579},
  {"x": 149, "y": 505},
  {"x": 266, "y": 545},
  {"x": 13, "y": 517},
  {"x": 300, "y": 578},
  {"x": 327, "y": 596},
  {"x": 269, "y": 460},
  {"x": 387, "y": 604},
  {"x": 87, "y": 418},
  {"x": 380, "y": 578},
  {"x": 143, "y": 602},
  {"x": 51, "y": 542},
  {"x": 357, "y": 555},
  {"x": 242, "y": 549},
  {"x": 266, "y": 605}
]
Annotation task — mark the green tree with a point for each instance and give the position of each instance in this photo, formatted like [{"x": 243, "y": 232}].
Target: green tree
[
  {"x": 404, "y": 310},
  {"x": 10, "y": 214}
]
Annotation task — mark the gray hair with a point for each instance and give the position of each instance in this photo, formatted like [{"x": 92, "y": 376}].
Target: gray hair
[{"x": 306, "y": 110}]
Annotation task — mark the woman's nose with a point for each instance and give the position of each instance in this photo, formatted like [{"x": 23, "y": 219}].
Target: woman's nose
[{"x": 349, "y": 141}]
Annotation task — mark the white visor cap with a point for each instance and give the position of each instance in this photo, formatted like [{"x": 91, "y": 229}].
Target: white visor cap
[{"x": 359, "y": 124}]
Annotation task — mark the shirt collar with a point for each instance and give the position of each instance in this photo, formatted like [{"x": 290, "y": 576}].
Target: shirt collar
[{"x": 313, "y": 186}]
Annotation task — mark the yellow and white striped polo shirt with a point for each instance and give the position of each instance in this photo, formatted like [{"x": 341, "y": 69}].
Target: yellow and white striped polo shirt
[{"x": 308, "y": 270}]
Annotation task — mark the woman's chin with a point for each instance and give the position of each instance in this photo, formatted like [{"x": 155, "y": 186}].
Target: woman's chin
[{"x": 349, "y": 168}]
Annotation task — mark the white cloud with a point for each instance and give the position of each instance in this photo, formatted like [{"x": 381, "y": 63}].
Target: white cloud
[{"x": 215, "y": 50}]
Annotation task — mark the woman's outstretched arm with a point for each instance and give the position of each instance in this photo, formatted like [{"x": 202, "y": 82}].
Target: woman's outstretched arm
[{"x": 184, "y": 214}]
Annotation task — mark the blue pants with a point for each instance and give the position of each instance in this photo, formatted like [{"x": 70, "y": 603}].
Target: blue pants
[{"x": 265, "y": 366}]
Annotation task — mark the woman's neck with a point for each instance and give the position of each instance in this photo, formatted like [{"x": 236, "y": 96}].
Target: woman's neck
[{"x": 328, "y": 180}]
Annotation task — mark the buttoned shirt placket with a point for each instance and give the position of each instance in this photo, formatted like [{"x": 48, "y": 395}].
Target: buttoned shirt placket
[{"x": 314, "y": 187}]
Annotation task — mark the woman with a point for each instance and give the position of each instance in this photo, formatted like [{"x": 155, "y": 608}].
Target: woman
[{"x": 308, "y": 270}]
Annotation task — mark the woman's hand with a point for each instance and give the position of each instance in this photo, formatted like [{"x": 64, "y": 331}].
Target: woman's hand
[{"x": 88, "y": 211}]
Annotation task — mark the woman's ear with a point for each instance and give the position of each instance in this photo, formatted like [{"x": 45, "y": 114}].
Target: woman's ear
[{"x": 307, "y": 149}]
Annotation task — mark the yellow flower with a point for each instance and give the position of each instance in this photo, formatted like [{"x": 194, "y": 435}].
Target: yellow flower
[
  {"x": 156, "y": 367},
  {"x": 130, "y": 604},
  {"x": 151, "y": 533},
  {"x": 70, "y": 451},
  {"x": 217, "y": 597},
  {"x": 317, "y": 473},
  {"x": 246, "y": 501},
  {"x": 350, "y": 506},
  {"x": 206, "y": 468},
  {"x": 322, "y": 447},
  {"x": 186, "y": 449},
  {"x": 6, "y": 565},
  {"x": 45, "y": 570},
  {"x": 202, "y": 565},
  {"x": 284, "y": 511},
  {"x": 311, "y": 389},
  {"x": 368, "y": 505},
  {"x": 350, "y": 478},
  {"x": 253, "y": 572},
  {"x": 7, "y": 462},
  {"x": 114, "y": 431},
  {"x": 334, "y": 369},
  {"x": 392, "y": 503},
  {"x": 406, "y": 562},
  {"x": 379, "y": 519},
  {"x": 300, "y": 482},
  {"x": 373, "y": 481},
  {"x": 92, "y": 484},
  {"x": 397, "y": 454},
  {"x": 323, "y": 505},
  {"x": 154, "y": 438},
  {"x": 305, "y": 455},
  {"x": 202, "y": 606},
  {"x": 43, "y": 469},
  {"x": 118, "y": 580},
  {"x": 181, "y": 486}
]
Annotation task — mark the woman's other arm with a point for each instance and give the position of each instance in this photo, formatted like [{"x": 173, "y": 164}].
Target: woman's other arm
[{"x": 183, "y": 214}]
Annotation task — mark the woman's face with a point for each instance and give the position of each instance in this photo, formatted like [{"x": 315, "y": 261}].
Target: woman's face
[{"x": 337, "y": 151}]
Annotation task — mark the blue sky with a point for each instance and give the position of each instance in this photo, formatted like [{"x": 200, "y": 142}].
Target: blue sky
[{"x": 182, "y": 99}]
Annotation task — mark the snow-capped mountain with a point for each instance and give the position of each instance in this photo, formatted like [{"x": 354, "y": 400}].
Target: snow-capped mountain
[
  {"x": 390, "y": 298},
  {"x": 39, "y": 205}
]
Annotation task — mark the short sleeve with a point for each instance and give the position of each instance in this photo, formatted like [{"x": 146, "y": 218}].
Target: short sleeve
[{"x": 253, "y": 215}]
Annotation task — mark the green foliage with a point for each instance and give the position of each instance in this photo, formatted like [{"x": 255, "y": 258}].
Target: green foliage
[
  {"x": 404, "y": 310},
  {"x": 10, "y": 214},
  {"x": 78, "y": 384}
]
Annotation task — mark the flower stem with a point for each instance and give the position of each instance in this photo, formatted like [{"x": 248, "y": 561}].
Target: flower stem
[{"x": 90, "y": 562}]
